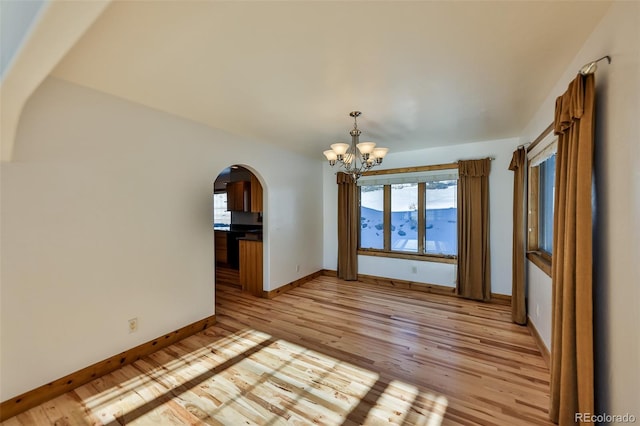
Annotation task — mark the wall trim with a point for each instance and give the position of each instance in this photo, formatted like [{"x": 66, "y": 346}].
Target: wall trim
[
  {"x": 408, "y": 285},
  {"x": 37, "y": 396},
  {"x": 546, "y": 354},
  {"x": 500, "y": 299},
  {"x": 404, "y": 284},
  {"x": 293, "y": 284}
]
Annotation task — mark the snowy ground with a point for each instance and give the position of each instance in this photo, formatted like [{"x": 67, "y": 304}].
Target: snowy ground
[{"x": 441, "y": 217}]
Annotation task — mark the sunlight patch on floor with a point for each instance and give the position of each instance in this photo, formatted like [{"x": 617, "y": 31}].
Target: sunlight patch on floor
[
  {"x": 266, "y": 382},
  {"x": 437, "y": 413},
  {"x": 185, "y": 368},
  {"x": 394, "y": 403}
]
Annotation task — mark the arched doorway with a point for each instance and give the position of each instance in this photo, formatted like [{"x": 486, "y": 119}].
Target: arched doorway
[{"x": 238, "y": 215}]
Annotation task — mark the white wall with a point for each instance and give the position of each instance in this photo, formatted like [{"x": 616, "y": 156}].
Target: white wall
[
  {"x": 500, "y": 223},
  {"x": 539, "y": 301},
  {"x": 107, "y": 215},
  {"x": 617, "y": 207}
]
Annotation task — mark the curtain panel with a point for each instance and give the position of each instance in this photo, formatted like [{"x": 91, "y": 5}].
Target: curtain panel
[
  {"x": 572, "y": 315},
  {"x": 347, "y": 227},
  {"x": 518, "y": 284},
  {"x": 474, "y": 273}
]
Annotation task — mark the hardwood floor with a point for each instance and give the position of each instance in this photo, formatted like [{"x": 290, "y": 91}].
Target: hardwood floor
[
  {"x": 225, "y": 275},
  {"x": 328, "y": 352}
]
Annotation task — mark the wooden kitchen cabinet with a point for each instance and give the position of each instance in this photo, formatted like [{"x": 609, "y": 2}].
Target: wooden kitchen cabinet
[
  {"x": 221, "y": 246},
  {"x": 256, "y": 195},
  {"x": 238, "y": 194},
  {"x": 251, "y": 266}
]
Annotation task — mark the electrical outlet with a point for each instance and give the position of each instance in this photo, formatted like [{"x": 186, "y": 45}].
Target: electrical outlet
[
  {"x": 537, "y": 310},
  {"x": 133, "y": 325},
  {"x": 414, "y": 269},
  {"x": 297, "y": 268}
]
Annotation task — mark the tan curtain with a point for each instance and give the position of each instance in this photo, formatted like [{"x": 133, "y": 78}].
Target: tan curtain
[
  {"x": 518, "y": 277},
  {"x": 474, "y": 275},
  {"x": 347, "y": 227},
  {"x": 572, "y": 318}
]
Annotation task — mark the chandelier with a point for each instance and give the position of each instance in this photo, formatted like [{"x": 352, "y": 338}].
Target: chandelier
[{"x": 347, "y": 155}]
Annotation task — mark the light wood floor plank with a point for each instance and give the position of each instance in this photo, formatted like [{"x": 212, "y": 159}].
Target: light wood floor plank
[{"x": 328, "y": 352}]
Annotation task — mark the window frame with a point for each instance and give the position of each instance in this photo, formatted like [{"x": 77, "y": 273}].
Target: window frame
[
  {"x": 421, "y": 203},
  {"x": 537, "y": 154}
]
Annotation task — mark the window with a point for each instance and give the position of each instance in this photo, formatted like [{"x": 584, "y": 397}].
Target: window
[
  {"x": 404, "y": 217},
  {"x": 546, "y": 181},
  {"x": 410, "y": 214},
  {"x": 542, "y": 171},
  {"x": 371, "y": 217},
  {"x": 441, "y": 225},
  {"x": 221, "y": 216}
]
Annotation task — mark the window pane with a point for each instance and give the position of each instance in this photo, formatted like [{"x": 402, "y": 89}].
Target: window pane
[
  {"x": 404, "y": 217},
  {"x": 441, "y": 234},
  {"x": 546, "y": 189},
  {"x": 220, "y": 214},
  {"x": 372, "y": 217}
]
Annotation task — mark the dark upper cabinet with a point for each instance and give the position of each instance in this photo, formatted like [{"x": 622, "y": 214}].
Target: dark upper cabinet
[
  {"x": 256, "y": 195},
  {"x": 239, "y": 196}
]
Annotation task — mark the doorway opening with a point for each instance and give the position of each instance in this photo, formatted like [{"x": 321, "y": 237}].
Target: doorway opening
[{"x": 238, "y": 215}]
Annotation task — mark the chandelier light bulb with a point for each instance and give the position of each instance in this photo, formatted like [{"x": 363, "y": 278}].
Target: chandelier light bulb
[
  {"x": 331, "y": 156},
  {"x": 379, "y": 154},
  {"x": 366, "y": 147},
  {"x": 340, "y": 148}
]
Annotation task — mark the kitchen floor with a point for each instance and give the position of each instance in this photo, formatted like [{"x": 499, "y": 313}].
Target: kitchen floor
[{"x": 227, "y": 276}]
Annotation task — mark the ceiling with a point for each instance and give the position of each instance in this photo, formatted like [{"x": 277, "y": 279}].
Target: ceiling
[{"x": 424, "y": 74}]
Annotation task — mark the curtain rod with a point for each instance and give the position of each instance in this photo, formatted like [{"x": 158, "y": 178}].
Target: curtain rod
[
  {"x": 589, "y": 68},
  {"x": 490, "y": 158},
  {"x": 592, "y": 66},
  {"x": 542, "y": 135}
]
